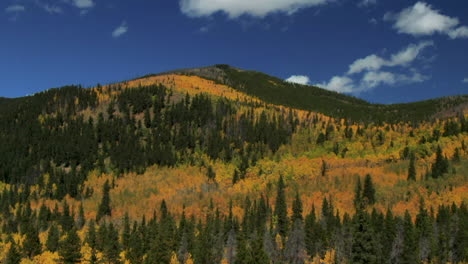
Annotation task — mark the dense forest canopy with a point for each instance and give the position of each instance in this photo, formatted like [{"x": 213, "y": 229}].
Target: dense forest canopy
[{"x": 230, "y": 168}]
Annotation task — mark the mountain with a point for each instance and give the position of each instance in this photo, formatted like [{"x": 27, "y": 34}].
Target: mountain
[
  {"x": 223, "y": 165},
  {"x": 277, "y": 91}
]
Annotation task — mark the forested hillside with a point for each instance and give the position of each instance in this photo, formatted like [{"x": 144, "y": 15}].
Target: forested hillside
[{"x": 221, "y": 165}]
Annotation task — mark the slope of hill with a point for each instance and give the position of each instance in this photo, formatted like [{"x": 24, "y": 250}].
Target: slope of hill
[
  {"x": 274, "y": 90},
  {"x": 216, "y": 166}
]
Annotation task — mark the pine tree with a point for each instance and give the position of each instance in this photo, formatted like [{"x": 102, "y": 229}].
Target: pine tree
[
  {"x": 358, "y": 193},
  {"x": 70, "y": 248},
  {"x": 258, "y": 254},
  {"x": 104, "y": 206},
  {"x": 126, "y": 232},
  {"x": 281, "y": 210},
  {"x": 369, "y": 191},
  {"x": 66, "y": 220},
  {"x": 310, "y": 234},
  {"x": 410, "y": 246},
  {"x": 412, "y": 169},
  {"x": 32, "y": 245},
  {"x": 211, "y": 174},
  {"x": 111, "y": 250},
  {"x": 81, "y": 218},
  {"x": 456, "y": 155},
  {"x": 321, "y": 138},
  {"x": 324, "y": 168},
  {"x": 91, "y": 235},
  {"x": 235, "y": 177},
  {"x": 243, "y": 254},
  {"x": 53, "y": 238},
  {"x": 441, "y": 165},
  {"x": 363, "y": 249},
  {"x": 297, "y": 209},
  {"x": 13, "y": 256}
]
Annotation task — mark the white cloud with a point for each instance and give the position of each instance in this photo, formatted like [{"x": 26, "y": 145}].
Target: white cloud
[
  {"x": 15, "y": 8},
  {"x": 374, "y": 79},
  {"x": 421, "y": 19},
  {"x": 236, "y": 8},
  {"x": 341, "y": 84},
  {"x": 83, "y": 3},
  {"x": 409, "y": 54},
  {"x": 120, "y": 30},
  {"x": 370, "y": 80},
  {"x": 402, "y": 58},
  {"x": 366, "y": 74},
  {"x": 300, "y": 79},
  {"x": 461, "y": 32},
  {"x": 465, "y": 80},
  {"x": 371, "y": 62}
]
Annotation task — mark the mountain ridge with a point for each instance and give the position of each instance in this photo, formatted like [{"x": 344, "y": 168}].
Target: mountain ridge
[
  {"x": 273, "y": 90},
  {"x": 240, "y": 79}
]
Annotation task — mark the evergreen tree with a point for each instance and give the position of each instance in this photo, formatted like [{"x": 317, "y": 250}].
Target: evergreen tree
[
  {"x": 324, "y": 168},
  {"x": 441, "y": 165},
  {"x": 211, "y": 174},
  {"x": 410, "y": 245},
  {"x": 456, "y": 155},
  {"x": 81, "y": 218},
  {"x": 412, "y": 169},
  {"x": 321, "y": 139},
  {"x": 91, "y": 235},
  {"x": 53, "y": 238},
  {"x": 13, "y": 256},
  {"x": 235, "y": 177},
  {"x": 70, "y": 248},
  {"x": 243, "y": 254},
  {"x": 297, "y": 209},
  {"x": 32, "y": 245},
  {"x": 281, "y": 210},
  {"x": 369, "y": 191},
  {"x": 363, "y": 249},
  {"x": 358, "y": 193},
  {"x": 258, "y": 254},
  {"x": 424, "y": 233},
  {"x": 310, "y": 234},
  {"x": 111, "y": 249},
  {"x": 126, "y": 233},
  {"x": 66, "y": 219},
  {"x": 104, "y": 207}
]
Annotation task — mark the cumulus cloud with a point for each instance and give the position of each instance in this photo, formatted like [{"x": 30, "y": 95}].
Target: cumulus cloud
[
  {"x": 371, "y": 62},
  {"x": 120, "y": 30},
  {"x": 401, "y": 58},
  {"x": 300, "y": 79},
  {"x": 465, "y": 80},
  {"x": 236, "y": 8},
  {"x": 341, "y": 84},
  {"x": 375, "y": 79},
  {"x": 461, "y": 32},
  {"x": 15, "y": 8},
  {"x": 366, "y": 73},
  {"x": 421, "y": 19}
]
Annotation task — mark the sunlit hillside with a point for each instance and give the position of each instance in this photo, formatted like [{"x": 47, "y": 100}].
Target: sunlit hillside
[{"x": 189, "y": 154}]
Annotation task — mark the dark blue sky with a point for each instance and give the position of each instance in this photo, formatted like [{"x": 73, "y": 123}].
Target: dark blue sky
[{"x": 381, "y": 50}]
